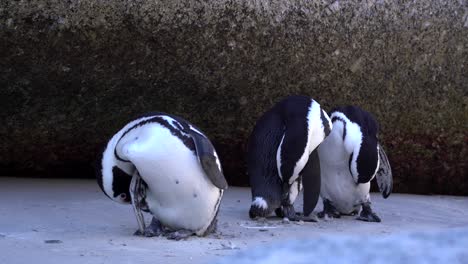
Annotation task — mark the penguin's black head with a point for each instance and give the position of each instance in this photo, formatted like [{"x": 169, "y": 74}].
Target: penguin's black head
[
  {"x": 121, "y": 185},
  {"x": 367, "y": 159},
  {"x": 98, "y": 172},
  {"x": 361, "y": 129},
  {"x": 112, "y": 180}
]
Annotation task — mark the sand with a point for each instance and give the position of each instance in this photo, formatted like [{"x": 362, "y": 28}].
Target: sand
[{"x": 72, "y": 221}]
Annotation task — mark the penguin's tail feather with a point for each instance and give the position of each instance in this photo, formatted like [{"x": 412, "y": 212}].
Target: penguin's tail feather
[{"x": 259, "y": 208}]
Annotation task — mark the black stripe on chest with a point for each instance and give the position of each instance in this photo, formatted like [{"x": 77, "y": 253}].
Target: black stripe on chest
[
  {"x": 336, "y": 118},
  {"x": 181, "y": 133},
  {"x": 326, "y": 125}
]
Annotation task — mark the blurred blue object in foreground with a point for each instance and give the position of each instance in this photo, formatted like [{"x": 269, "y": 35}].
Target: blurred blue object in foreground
[{"x": 441, "y": 246}]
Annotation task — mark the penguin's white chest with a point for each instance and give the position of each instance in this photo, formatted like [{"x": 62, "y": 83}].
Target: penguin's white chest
[
  {"x": 179, "y": 193},
  {"x": 337, "y": 183}
]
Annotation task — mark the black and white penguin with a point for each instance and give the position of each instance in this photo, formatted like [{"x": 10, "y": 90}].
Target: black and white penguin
[
  {"x": 163, "y": 164},
  {"x": 282, "y": 157},
  {"x": 350, "y": 157}
]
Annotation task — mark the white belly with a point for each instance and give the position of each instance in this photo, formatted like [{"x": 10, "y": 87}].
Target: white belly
[
  {"x": 337, "y": 183},
  {"x": 339, "y": 187},
  {"x": 179, "y": 193}
]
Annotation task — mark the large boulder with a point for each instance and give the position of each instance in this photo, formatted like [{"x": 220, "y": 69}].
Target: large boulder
[{"x": 74, "y": 72}]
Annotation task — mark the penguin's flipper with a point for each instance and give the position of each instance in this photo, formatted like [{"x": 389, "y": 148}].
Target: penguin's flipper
[
  {"x": 311, "y": 182},
  {"x": 179, "y": 234},
  {"x": 154, "y": 229},
  {"x": 137, "y": 194},
  {"x": 384, "y": 174},
  {"x": 291, "y": 156},
  {"x": 209, "y": 159}
]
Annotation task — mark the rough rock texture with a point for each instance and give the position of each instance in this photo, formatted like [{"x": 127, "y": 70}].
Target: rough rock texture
[
  {"x": 73, "y": 72},
  {"x": 447, "y": 246}
]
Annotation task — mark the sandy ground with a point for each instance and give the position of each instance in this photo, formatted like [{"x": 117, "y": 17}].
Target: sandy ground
[{"x": 71, "y": 221}]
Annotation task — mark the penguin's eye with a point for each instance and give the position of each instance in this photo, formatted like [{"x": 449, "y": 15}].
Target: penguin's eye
[{"x": 123, "y": 196}]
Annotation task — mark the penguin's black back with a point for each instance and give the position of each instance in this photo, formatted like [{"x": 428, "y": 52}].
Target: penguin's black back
[
  {"x": 367, "y": 122},
  {"x": 264, "y": 142},
  {"x": 367, "y": 159},
  {"x": 261, "y": 162}
]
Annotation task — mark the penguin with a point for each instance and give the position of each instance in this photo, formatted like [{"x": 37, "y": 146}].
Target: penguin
[
  {"x": 164, "y": 165},
  {"x": 282, "y": 158},
  {"x": 350, "y": 157}
]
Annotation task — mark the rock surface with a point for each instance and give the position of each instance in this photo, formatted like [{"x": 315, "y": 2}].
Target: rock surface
[
  {"x": 73, "y": 72},
  {"x": 58, "y": 221}
]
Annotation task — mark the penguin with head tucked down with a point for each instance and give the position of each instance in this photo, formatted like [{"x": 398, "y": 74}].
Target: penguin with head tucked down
[
  {"x": 350, "y": 158},
  {"x": 282, "y": 158},
  {"x": 164, "y": 165}
]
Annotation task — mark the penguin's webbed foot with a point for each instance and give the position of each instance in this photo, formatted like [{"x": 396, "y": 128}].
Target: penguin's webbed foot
[
  {"x": 138, "y": 233},
  {"x": 279, "y": 212},
  {"x": 368, "y": 215},
  {"x": 287, "y": 211},
  {"x": 353, "y": 213},
  {"x": 146, "y": 233},
  {"x": 179, "y": 234},
  {"x": 310, "y": 218},
  {"x": 329, "y": 211},
  {"x": 154, "y": 229}
]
